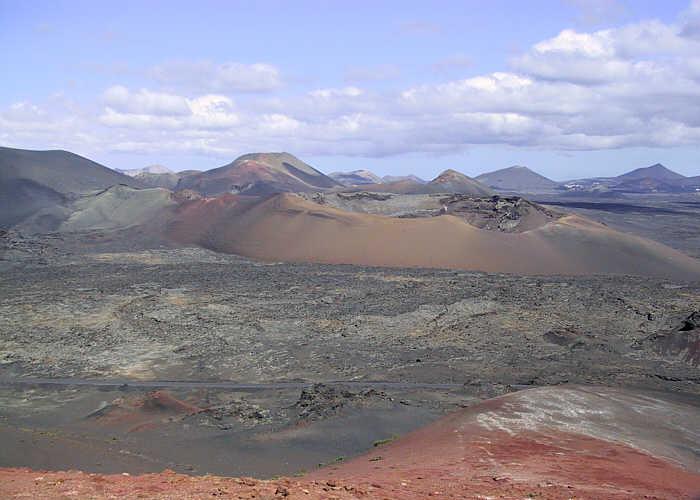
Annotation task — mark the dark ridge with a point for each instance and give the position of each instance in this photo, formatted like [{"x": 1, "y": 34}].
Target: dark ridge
[{"x": 618, "y": 208}]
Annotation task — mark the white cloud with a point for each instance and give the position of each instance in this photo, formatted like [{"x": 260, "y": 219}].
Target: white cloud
[
  {"x": 145, "y": 102},
  {"x": 336, "y": 92},
  {"x": 635, "y": 85},
  {"x": 278, "y": 123},
  {"x": 608, "y": 55},
  {"x": 578, "y": 44},
  {"x": 146, "y": 109}
]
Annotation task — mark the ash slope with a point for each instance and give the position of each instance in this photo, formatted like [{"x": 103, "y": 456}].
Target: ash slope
[
  {"x": 62, "y": 171},
  {"x": 34, "y": 181},
  {"x": 288, "y": 228}
]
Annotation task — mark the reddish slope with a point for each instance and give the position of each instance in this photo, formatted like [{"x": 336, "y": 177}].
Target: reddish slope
[
  {"x": 451, "y": 181},
  {"x": 259, "y": 173},
  {"x": 550, "y": 443},
  {"x": 557, "y": 442}
]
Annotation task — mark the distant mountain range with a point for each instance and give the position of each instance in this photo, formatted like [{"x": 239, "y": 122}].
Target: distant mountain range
[
  {"x": 395, "y": 178},
  {"x": 37, "y": 186},
  {"x": 154, "y": 176},
  {"x": 355, "y": 178},
  {"x": 449, "y": 181},
  {"x": 248, "y": 207},
  {"x": 150, "y": 169},
  {"x": 653, "y": 179},
  {"x": 262, "y": 173}
]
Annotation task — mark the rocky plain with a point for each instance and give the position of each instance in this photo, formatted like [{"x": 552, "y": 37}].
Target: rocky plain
[
  {"x": 337, "y": 342},
  {"x": 119, "y": 358}
]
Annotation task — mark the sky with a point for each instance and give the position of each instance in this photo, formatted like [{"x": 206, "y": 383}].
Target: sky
[{"x": 570, "y": 88}]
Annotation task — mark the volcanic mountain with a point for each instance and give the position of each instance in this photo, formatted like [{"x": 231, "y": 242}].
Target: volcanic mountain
[
  {"x": 394, "y": 178},
  {"x": 116, "y": 207},
  {"x": 34, "y": 180},
  {"x": 61, "y": 171},
  {"x": 449, "y": 181},
  {"x": 259, "y": 174},
  {"x": 517, "y": 179},
  {"x": 689, "y": 183},
  {"x": 287, "y": 227},
  {"x": 655, "y": 178},
  {"x": 154, "y": 176},
  {"x": 656, "y": 171},
  {"x": 150, "y": 169},
  {"x": 356, "y": 177}
]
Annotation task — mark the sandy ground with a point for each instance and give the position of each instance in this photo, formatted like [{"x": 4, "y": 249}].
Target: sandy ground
[{"x": 288, "y": 228}]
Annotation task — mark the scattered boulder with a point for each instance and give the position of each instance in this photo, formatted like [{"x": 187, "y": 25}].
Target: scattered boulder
[
  {"x": 561, "y": 337},
  {"x": 322, "y": 401},
  {"x": 683, "y": 342},
  {"x": 184, "y": 195},
  {"x": 509, "y": 214}
]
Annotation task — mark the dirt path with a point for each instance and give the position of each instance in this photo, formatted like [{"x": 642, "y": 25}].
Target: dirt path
[{"x": 236, "y": 386}]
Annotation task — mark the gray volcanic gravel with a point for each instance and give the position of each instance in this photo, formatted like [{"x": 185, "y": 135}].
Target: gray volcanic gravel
[{"x": 189, "y": 314}]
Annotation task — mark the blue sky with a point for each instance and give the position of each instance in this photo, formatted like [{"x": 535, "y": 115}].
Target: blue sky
[{"x": 569, "y": 88}]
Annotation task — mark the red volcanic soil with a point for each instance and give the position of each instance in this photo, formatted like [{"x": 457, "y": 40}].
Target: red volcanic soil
[
  {"x": 23, "y": 483},
  {"x": 143, "y": 412},
  {"x": 194, "y": 220},
  {"x": 461, "y": 463},
  {"x": 466, "y": 462},
  {"x": 546, "y": 443}
]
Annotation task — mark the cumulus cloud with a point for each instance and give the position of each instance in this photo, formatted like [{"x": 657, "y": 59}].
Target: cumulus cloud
[
  {"x": 333, "y": 93},
  {"x": 145, "y": 102},
  {"x": 147, "y": 109},
  {"x": 227, "y": 77},
  {"x": 633, "y": 51},
  {"x": 56, "y": 123},
  {"x": 634, "y": 85}
]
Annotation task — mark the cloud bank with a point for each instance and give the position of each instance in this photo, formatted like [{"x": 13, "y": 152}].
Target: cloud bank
[{"x": 635, "y": 85}]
